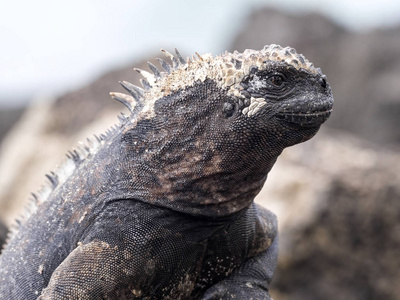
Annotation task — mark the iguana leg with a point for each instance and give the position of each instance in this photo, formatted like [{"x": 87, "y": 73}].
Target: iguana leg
[
  {"x": 131, "y": 251},
  {"x": 250, "y": 281},
  {"x": 111, "y": 261},
  {"x": 87, "y": 273},
  {"x": 252, "y": 278}
]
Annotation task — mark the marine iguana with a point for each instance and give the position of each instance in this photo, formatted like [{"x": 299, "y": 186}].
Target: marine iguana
[{"x": 161, "y": 206}]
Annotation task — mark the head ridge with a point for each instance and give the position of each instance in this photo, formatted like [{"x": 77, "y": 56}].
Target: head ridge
[{"x": 227, "y": 70}]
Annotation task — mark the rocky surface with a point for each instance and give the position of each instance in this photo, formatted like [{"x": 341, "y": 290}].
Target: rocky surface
[
  {"x": 336, "y": 196},
  {"x": 337, "y": 201},
  {"x": 8, "y": 117}
]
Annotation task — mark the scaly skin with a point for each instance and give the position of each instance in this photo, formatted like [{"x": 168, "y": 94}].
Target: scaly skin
[{"x": 161, "y": 207}]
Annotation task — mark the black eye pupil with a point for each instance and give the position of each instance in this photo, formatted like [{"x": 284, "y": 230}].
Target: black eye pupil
[{"x": 276, "y": 80}]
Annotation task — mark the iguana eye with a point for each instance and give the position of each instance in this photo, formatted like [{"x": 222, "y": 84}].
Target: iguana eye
[
  {"x": 228, "y": 109},
  {"x": 276, "y": 80}
]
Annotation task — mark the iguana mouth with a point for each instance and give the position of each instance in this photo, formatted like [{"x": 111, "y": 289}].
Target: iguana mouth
[{"x": 310, "y": 119}]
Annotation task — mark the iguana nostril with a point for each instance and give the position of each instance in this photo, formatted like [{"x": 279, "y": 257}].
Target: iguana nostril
[
  {"x": 322, "y": 82},
  {"x": 228, "y": 109}
]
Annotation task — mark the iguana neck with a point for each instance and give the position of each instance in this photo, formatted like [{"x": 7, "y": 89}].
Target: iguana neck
[
  {"x": 189, "y": 177},
  {"x": 191, "y": 159}
]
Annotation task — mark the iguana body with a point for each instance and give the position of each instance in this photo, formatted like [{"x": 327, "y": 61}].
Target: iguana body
[{"x": 161, "y": 207}]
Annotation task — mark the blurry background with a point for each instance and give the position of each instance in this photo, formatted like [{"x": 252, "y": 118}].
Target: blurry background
[{"x": 337, "y": 196}]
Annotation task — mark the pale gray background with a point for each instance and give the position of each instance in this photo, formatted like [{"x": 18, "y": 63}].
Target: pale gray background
[{"x": 51, "y": 47}]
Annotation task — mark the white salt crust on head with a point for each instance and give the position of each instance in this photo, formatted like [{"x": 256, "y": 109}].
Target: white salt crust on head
[{"x": 227, "y": 70}]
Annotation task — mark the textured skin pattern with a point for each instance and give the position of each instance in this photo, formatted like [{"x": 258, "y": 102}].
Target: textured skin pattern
[
  {"x": 161, "y": 207},
  {"x": 195, "y": 255}
]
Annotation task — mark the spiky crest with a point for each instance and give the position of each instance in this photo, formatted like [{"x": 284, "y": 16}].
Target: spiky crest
[
  {"x": 59, "y": 176},
  {"x": 175, "y": 63},
  {"x": 180, "y": 58},
  {"x": 126, "y": 100},
  {"x": 154, "y": 69},
  {"x": 146, "y": 85},
  {"x": 227, "y": 70},
  {"x": 165, "y": 65},
  {"x": 136, "y": 92}
]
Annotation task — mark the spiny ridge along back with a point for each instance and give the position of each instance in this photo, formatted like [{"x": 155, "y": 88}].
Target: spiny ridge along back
[{"x": 227, "y": 70}]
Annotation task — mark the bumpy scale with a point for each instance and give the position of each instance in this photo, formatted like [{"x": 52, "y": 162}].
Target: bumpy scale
[{"x": 161, "y": 206}]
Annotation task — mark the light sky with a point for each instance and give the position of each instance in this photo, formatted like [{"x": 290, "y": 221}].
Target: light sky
[{"x": 50, "y": 47}]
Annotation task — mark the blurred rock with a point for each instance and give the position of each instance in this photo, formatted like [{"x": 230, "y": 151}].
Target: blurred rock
[
  {"x": 337, "y": 201},
  {"x": 8, "y": 117},
  {"x": 48, "y": 129},
  {"x": 363, "y": 68}
]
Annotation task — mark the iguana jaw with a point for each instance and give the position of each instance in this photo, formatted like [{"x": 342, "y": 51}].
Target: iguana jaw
[{"x": 305, "y": 119}]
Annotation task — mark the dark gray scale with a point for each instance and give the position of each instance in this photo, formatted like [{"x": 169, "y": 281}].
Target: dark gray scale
[
  {"x": 53, "y": 178},
  {"x": 154, "y": 69},
  {"x": 122, "y": 99},
  {"x": 175, "y": 62},
  {"x": 165, "y": 65},
  {"x": 228, "y": 109},
  {"x": 180, "y": 58},
  {"x": 146, "y": 85},
  {"x": 132, "y": 89},
  {"x": 122, "y": 118},
  {"x": 136, "y": 92}
]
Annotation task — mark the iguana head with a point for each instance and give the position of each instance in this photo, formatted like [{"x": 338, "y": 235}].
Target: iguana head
[{"x": 212, "y": 127}]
